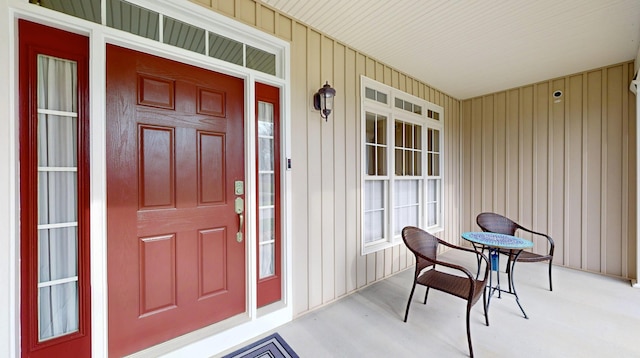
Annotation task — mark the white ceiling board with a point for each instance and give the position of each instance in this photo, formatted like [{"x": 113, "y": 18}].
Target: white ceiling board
[{"x": 468, "y": 48}]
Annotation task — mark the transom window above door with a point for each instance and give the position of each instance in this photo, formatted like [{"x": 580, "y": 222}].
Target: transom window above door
[
  {"x": 217, "y": 43},
  {"x": 402, "y": 164}
]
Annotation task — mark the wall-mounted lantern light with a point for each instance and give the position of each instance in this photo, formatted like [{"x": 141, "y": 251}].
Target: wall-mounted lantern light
[{"x": 323, "y": 100}]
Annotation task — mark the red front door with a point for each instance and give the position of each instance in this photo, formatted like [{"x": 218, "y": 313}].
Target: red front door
[{"x": 175, "y": 152}]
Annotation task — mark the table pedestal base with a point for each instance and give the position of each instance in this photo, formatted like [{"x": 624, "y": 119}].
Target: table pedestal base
[{"x": 494, "y": 259}]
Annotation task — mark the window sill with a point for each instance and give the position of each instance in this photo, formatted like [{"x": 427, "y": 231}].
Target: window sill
[
  {"x": 379, "y": 247},
  {"x": 396, "y": 241}
]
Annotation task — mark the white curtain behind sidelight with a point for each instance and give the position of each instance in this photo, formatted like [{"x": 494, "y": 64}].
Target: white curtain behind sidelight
[
  {"x": 57, "y": 198},
  {"x": 267, "y": 186}
]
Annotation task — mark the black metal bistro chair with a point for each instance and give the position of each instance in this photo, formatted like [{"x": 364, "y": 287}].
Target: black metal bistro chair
[
  {"x": 497, "y": 223},
  {"x": 465, "y": 285}
]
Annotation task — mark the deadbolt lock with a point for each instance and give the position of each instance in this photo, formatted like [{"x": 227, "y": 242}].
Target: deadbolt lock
[{"x": 239, "y": 187}]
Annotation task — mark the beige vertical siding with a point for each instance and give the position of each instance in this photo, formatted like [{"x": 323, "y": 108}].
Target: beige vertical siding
[
  {"x": 563, "y": 166},
  {"x": 327, "y": 263}
]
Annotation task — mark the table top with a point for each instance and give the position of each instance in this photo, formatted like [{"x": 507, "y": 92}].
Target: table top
[{"x": 497, "y": 240}]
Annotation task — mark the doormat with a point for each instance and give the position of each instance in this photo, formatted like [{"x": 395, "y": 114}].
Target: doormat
[{"x": 272, "y": 346}]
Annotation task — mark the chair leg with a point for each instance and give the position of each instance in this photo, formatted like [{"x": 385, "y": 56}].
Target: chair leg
[
  {"x": 469, "y": 330},
  {"x": 426, "y": 294},
  {"x": 550, "y": 284},
  {"x": 406, "y": 313},
  {"x": 484, "y": 301},
  {"x": 509, "y": 271}
]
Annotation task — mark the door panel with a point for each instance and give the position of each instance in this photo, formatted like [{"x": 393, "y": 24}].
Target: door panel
[{"x": 175, "y": 147}]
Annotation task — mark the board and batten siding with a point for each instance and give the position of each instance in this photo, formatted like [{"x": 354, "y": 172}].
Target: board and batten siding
[
  {"x": 326, "y": 181},
  {"x": 564, "y": 166}
]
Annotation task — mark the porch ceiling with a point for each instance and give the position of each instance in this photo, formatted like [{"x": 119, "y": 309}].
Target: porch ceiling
[{"x": 470, "y": 48}]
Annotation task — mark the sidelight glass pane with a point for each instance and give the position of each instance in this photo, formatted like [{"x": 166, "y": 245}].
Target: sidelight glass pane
[
  {"x": 57, "y": 130},
  {"x": 266, "y": 155},
  {"x": 267, "y": 260},
  {"x": 265, "y": 119},
  {"x": 57, "y": 141},
  {"x": 58, "y": 310},
  {"x": 57, "y": 197},
  {"x": 57, "y": 84},
  {"x": 267, "y": 189},
  {"x": 267, "y": 225},
  {"x": 56, "y": 250}
]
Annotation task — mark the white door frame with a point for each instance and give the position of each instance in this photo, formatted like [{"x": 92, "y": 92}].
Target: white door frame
[{"x": 223, "y": 335}]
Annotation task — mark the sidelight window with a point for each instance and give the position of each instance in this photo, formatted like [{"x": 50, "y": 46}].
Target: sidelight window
[
  {"x": 267, "y": 192},
  {"x": 58, "y": 301}
]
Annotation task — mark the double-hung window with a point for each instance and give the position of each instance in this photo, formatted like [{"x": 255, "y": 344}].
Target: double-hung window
[{"x": 401, "y": 164}]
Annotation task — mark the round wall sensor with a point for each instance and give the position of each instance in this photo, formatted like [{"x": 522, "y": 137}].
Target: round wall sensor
[{"x": 557, "y": 94}]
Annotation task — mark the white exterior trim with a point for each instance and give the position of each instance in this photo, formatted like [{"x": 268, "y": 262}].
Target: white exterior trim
[
  {"x": 209, "y": 340},
  {"x": 634, "y": 86},
  {"x": 9, "y": 189}
]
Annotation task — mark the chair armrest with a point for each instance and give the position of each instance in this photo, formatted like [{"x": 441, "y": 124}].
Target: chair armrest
[
  {"x": 456, "y": 246},
  {"x": 458, "y": 267},
  {"x": 551, "y": 243}
]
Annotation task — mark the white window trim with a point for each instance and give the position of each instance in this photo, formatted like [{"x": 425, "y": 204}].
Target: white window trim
[{"x": 392, "y": 113}]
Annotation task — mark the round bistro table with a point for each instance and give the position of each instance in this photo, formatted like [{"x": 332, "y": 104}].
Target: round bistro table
[{"x": 495, "y": 243}]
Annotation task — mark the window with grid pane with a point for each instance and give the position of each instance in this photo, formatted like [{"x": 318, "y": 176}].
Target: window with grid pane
[
  {"x": 402, "y": 166},
  {"x": 433, "y": 179},
  {"x": 408, "y": 172},
  {"x": 376, "y": 170}
]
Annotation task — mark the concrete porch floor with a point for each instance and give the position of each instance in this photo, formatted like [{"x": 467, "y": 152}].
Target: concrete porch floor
[{"x": 587, "y": 315}]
